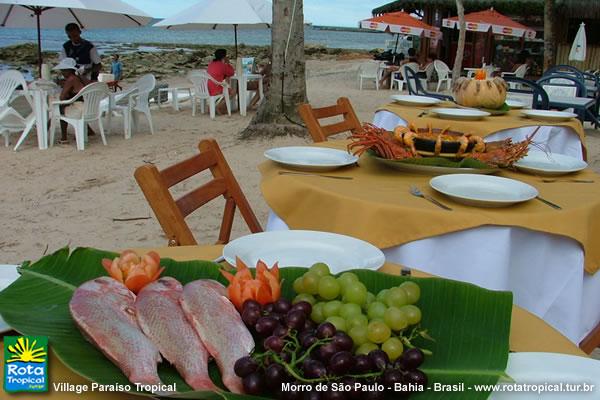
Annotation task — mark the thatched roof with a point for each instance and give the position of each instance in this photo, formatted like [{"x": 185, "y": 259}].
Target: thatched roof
[{"x": 589, "y": 9}]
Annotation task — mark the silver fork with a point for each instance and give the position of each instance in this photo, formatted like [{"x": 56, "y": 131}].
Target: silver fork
[{"x": 415, "y": 191}]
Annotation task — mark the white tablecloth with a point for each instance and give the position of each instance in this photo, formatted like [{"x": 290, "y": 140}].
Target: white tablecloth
[
  {"x": 544, "y": 271},
  {"x": 556, "y": 139}
]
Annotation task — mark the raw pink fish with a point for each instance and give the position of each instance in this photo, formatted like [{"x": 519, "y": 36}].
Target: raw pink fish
[
  {"x": 220, "y": 327},
  {"x": 160, "y": 316},
  {"x": 103, "y": 309}
]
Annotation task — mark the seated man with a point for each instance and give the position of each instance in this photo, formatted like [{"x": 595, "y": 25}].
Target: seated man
[
  {"x": 221, "y": 70},
  {"x": 71, "y": 85},
  {"x": 265, "y": 71}
]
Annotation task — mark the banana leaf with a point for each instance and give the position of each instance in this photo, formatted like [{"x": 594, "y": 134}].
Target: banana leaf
[{"x": 470, "y": 325}]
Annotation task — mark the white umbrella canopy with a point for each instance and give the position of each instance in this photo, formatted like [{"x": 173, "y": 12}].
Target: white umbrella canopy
[
  {"x": 222, "y": 14},
  {"x": 579, "y": 48},
  {"x": 57, "y": 13},
  {"x": 88, "y": 14}
]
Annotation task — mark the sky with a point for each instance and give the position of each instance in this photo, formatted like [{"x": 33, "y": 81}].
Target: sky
[{"x": 319, "y": 12}]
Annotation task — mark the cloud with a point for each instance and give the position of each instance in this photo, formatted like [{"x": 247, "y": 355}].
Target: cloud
[{"x": 319, "y": 12}]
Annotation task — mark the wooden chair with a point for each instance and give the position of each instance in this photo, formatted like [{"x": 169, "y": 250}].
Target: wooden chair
[
  {"x": 591, "y": 341},
  {"x": 171, "y": 213},
  {"x": 319, "y": 133}
]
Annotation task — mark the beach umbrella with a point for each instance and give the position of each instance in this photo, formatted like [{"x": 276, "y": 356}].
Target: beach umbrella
[
  {"x": 57, "y": 13},
  {"x": 483, "y": 21},
  {"x": 222, "y": 14},
  {"x": 401, "y": 23},
  {"x": 579, "y": 47}
]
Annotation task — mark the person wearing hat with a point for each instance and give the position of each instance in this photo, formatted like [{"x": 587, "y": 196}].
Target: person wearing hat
[
  {"x": 72, "y": 84},
  {"x": 82, "y": 51}
]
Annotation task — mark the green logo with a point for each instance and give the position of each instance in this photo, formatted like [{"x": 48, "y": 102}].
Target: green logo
[{"x": 25, "y": 364}]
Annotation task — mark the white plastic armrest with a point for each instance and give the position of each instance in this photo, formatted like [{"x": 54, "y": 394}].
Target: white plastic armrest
[{"x": 62, "y": 102}]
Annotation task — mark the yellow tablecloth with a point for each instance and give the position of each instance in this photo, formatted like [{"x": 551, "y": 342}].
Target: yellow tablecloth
[
  {"x": 376, "y": 206},
  {"x": 487, "y": 126},
  {"x": 528, "y": 333}
]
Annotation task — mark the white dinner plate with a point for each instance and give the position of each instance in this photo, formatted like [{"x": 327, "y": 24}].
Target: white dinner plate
[
  {"x": 310, "y": 158},
  {"x": 413, "y": 100},
  {"x": 483, "y": 190},
  {"x": 549, "y": 164},
  {"x": 552, "y": 369},
  {"x": 297, "y": 248},
  {"x": 467, "y": 114},
  {"x": 515, "y": 104},
  {"x": 8, "y": 274},
  {"x": 550, "y": 116}
]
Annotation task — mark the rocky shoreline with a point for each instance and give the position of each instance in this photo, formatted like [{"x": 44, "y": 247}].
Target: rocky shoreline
[{"x": 164, "y": 60}]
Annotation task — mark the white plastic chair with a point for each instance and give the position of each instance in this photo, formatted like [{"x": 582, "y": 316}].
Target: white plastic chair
[
  {"x": 401, "y": 81},
  {"x": 520, "y": 72},
  {"x": 11, "y": 121},
  {"x": 443, "y": 73},
  {"x": 92, "y": 95},
  {"x": 428, "y": 75},
  {"x": 200, "y": 92},
  {"x": 136, "y": 102},
  {"x": 369, "y": 71}
]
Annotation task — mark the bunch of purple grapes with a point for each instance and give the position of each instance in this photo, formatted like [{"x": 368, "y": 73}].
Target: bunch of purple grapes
[{"x": 296, "y": 350}]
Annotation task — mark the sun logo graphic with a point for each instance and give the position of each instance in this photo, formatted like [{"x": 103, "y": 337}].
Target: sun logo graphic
[{"x": 25, "y": 363}]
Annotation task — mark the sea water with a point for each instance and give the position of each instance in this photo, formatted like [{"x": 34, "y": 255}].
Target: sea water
[{"x": 109, "y": 39}]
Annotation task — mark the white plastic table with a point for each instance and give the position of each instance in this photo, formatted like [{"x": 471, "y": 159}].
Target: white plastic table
[
  {"x": 39, "y": 97},
  {"x": 242, "y": 89},
  {"x": 173, "y": 92}
]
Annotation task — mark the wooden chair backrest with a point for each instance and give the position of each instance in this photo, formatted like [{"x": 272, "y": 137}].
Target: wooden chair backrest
[
  {"x": 171, "y": 213},
  {"x": 319, "y": 133}
]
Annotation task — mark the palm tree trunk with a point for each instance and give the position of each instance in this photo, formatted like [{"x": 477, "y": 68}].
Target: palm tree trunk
[
  {"x": 278, "y": 115},
  {"x": 462, "y": 34},
  {"x": 549, "y": 43}
]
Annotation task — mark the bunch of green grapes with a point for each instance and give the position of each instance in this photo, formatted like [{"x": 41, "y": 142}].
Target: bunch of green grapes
[{"x": 372, "y": 321}]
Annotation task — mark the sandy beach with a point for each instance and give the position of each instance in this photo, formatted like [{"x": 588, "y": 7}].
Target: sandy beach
[{"x": 62, "y": 196}]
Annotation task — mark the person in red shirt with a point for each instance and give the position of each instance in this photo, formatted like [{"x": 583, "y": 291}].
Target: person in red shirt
[{"x": 220, "y": 69}]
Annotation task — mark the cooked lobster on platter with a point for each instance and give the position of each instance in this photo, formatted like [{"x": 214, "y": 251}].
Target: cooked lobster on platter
[{"x": 410, "y": 142}]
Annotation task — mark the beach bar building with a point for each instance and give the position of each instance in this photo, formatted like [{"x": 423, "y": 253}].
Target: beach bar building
[{"x": 502, "y": 50}]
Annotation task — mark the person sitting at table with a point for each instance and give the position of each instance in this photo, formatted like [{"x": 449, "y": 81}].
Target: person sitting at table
[
  {"x": 412, "y": 57},
  {"x": 221, "y": 70},
  {"x": 71, "y": 85},
  {"x": 265, "y": 71},
  {"x": 391, "y": 69},
  {"x": 523, "y": 58}
]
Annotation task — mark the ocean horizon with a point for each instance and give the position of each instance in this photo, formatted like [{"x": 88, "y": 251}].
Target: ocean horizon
[{"x": 107, "y": 40}]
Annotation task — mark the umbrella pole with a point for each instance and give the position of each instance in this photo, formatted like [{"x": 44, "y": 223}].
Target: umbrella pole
[
  {"x": 39, "y": 41},
  {"x": 396, "y": 45},
  {"x": 235, "y": 39}
]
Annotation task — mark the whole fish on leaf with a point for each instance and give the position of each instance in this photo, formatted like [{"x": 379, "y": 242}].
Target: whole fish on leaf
[
  {"x": 220, "y": 327},
  {"x": 103, "y": 309},
  {"x": 161, "y": 318}
]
